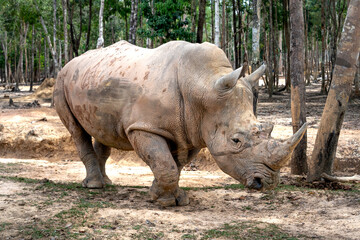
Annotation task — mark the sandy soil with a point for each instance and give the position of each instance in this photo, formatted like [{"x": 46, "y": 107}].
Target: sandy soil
[{"x": 40, "y": 194}]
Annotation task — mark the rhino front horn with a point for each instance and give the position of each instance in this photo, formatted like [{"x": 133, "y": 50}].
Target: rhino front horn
[
  {"x": 282, "y": 152},
  {"x": 229, "y": 81}
]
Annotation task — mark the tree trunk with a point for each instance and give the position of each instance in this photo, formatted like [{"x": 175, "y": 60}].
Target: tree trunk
[
  {"x": 52, "y": 50},
  {"x": 75, "y": 40},
  {"x": 212, "y": 21},
  {"x": 307, "y": 75},
  {"x": 32, "y": 71},
  {"x": 298, "y": 109},
  {"x": 54, "y": 39},
  {"x": 236, "y": 42},
  {"x": 336, "y": 103},
  {"x": 133, "y": 21},
  {"x": 323, "y": 46},
  {"x": 100, "y": 41},
  {"x": 89, "y": 26},
  {"x": 223, "y": 32},
  {"x": 240, "y": 31},
  {"x": 201, "y": 21},
  {"x": 217, "y": 24},
  {"x": 271, "y": 52},
  {"x": 19, "y": 71},
  {"x": 66, "y": 51},
  {"x": 5, "y": 50},
  {"x": 256, "y": 34},
  {"x": 357, "y": 79},
  {"x": 194, "y": 15},
  {"x": 287, "y": 42}
]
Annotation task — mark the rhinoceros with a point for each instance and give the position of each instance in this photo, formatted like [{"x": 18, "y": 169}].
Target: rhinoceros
[{"x": 167, "y": 104}]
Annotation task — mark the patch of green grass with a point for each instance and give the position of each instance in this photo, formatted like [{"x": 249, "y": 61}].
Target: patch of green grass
[
  {"x": 188, "y": 236},
  {"x": 3, "y": 225},
  {"x": 248, "y": 230},
  {"x": 146, "y": 233}
]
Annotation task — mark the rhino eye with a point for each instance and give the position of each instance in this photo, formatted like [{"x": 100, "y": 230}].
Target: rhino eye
[{"x": 235, "y": 140}]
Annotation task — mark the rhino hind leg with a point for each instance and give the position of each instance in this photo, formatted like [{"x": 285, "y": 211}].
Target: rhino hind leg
[
  {"x": 154, "y": 151},
  {"x": 82, "y": 139},
  {"x": 102, "y": 152}
]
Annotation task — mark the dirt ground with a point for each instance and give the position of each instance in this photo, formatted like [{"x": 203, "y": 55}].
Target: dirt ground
[{"x": 41, "y": 196}]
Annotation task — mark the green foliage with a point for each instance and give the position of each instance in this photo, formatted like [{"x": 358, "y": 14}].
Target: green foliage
[{"x": 167, "y": 21}]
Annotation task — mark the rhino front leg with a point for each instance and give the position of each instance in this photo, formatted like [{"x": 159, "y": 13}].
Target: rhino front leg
[
  {"x": 154, "y": 151},
  {"x": 102, "y": 153}
]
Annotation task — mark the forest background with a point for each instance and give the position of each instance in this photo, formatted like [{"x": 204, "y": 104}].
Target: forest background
[{"x": 299, "y": 40}]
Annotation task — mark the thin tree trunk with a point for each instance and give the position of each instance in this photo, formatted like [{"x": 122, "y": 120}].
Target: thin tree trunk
[
  {"x": 66, "y": 51},
  {"x": 19, "y": 71},
  {"x": 236, "y": 42},
  {"x": 89, "y": 26},
  {"x": 212, "y": 21},
  {"x": 298, "y": 109},
  {"x": 133, "y": 21},
  {"x": 100, "y": 41},
  {"x": 240, "y": 31},
  {"x": 217, "y": 24},
  {"x": 256, "y": 34},
  {"x": 357, "y": 79},
  {"x": 32, "y": 73},
  {"x": 336, "y": 103},
  {"x": 5, "y": 50},
  {"x": 271, "y": 51},
  {"x": 307, "y": 75},
  {"x": 201, "y": 21},
  {"x": 323, "y": 47},
  {"x": 223, "y": 32},
  {"x": 56, "y": 69},
  {"x": 287, "y": 41},
  {"x": 194, "y": 15}
]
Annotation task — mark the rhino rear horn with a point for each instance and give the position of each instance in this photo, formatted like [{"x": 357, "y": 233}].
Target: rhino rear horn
[
  {"x": 228, "y": 81},
  {"x": 253, "y": 79}
]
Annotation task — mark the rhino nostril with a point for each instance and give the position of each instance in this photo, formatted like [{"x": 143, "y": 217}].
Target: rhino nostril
[{"x": 256, "y": 183}]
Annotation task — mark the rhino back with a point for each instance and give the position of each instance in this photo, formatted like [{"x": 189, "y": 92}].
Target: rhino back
[{"x": 121, "y": 88}]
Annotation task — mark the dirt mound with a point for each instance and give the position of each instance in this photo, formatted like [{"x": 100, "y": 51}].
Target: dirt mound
[{"x": 45, "y": 90}]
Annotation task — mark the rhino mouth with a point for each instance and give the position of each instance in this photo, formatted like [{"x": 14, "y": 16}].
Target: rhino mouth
[{"x": 265, "y": 180}]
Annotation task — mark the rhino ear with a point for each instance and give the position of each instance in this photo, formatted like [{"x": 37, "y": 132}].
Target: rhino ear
[
  {"x": 229, "y": 81},
  {"x": 253, "y": 79}
]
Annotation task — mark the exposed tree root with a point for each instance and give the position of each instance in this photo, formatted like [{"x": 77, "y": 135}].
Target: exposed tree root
[{"x": 341, "y": 179}]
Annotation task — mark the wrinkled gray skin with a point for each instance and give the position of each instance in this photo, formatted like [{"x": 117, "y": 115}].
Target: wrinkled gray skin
[{"x": 166, "y": 104}]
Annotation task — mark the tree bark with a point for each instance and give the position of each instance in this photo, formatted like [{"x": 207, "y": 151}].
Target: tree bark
[
  {"x": 5, "y": 50},
  {"x": 298, "y": 109},
  {"x": 54, "y": 38},
  {"x": 75, "y": 40},
  {"x": 19, "y": 70},
  {"x": 336, "y": 103},
  {"x": 194, "y": 15},
  {"x": 100, "y": 41},
  {"x": 89, "y": 26},
  {"x": 287, "y": 41},
  {"x": 256, "y": 33},
  {"x": 323, "y": 46},
  {"x": 32, "y": 73},
  {"x": 236, "y": 42},
  {"x": 357, "y": 79},
  {"x": 223, "y": 32},
  {"x": 133, "y": 21},
  {"x": 217, "y": 24},
  {"x": 201, "y": 21},
  {"x": 271, "y": 52},
  {"x": 212, "y": 21},
  {"x": 66, "y": 51}
]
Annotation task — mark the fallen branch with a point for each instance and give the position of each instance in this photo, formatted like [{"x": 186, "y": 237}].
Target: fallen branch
[{"x": 341, "y": 179}]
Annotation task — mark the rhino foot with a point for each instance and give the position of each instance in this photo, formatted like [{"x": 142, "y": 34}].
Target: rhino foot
[
  {"x": 176, "y": 198},
  {"x": 107, "y": 180},
  {"x": 93, "y": 183}
]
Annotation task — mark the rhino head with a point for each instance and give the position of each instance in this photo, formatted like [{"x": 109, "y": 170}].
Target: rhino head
[{"x": 241, "y": 146}]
